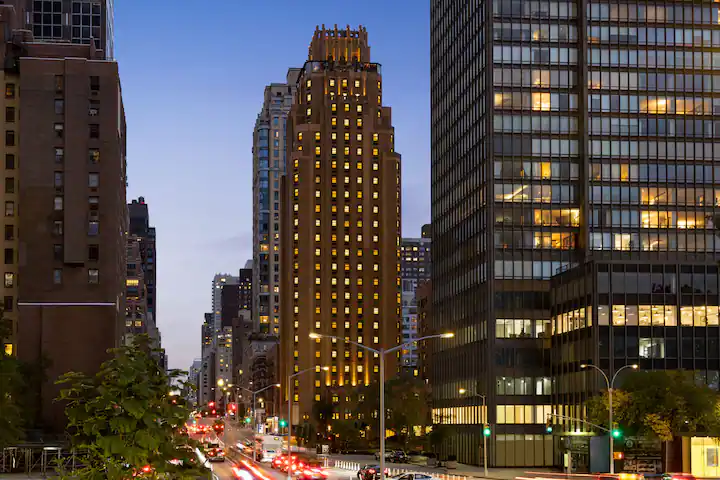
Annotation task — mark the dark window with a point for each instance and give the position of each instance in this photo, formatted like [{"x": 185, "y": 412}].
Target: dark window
[
  {"x": 58, "y": 180},
  {"x": 94, "y": 83},
  {"x": 8, "y": 304},
  {"x": 57, "y": 276},
  {"x": 9, "y": 232},
  {"x": 9, "y": 90},
  {"x": 93, "y": 180},
  {"x": 9, "y": 256},
  {"x": 93, "y": 228},
  {"x": 59, "y": 155},
  {"x": 94, "y": 130},
  {"x": 59, "y": 130},
  {"x": 59, "y": 83},
  {"x": 94, "y": 202},
  {"x": 94, "y": 155},
  {"x": 94, "y": 109},
  {"x": 58, "y": 252},
  {"x": 10, "y": 138},
  {"x": 9, "y": 209},
  {"x": 93, "y": 253},
  {"x": 57, "y": 227},
  {"x": 10, "y": 161},
  {"x": 9, "y": 185},
  {"x": 59, "y": 106},
  {"x": 10, "y": 114}
]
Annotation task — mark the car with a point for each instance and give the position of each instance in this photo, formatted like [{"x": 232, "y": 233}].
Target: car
[
  {"x": 413, "y": 476},
  {"x": 370, "y": 472},
  {"x": 277, "y": 461},
  {"x": 678, "y": 476},
  {"x": 388, "y": 454},
  {"x": 398, "y": 456},
  {"x": 214, "y": 453},
  {"x": 312, "y": 470}
]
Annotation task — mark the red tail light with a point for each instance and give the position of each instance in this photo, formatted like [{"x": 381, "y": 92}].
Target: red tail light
[
  {"x": 371, "y": 471},
  {"x": 146, "y": 468}
]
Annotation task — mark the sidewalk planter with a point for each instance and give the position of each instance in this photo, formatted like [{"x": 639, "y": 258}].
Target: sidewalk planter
[{"x": 451, "y": 462}]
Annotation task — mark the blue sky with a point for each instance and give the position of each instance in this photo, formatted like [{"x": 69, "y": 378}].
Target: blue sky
[{"x": 193, "y": 80}]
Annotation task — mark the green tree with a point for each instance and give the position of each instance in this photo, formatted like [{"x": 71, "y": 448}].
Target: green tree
[
  {"x": 662, "y": 404},
  {"x": 124, "y": 417},
  {"x": 407, "y": 400},
  {"x": 322, "y": 411},
  {"x": 11, "y": 384},
  {"x": 348, "y": 433}
]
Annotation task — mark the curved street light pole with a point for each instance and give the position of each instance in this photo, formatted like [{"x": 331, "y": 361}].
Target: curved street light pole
[
  {"x": 610, "y": 382},
  {"x": 254, "y": 423},
  {"x": 381, "y": 354}
]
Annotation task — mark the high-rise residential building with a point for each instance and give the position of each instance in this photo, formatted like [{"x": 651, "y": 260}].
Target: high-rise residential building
[
  {"x": 340, "y": 222},
  {"x": 65, "y": 208},
  {"x": 269, "y": 152},
  {"x": 135, "y": 293},
  {"x": 415, "y": 269},
  {"x": 140, "y": 227},
  {"x": 194, "y": 379},
  {"x": 565, "y": 136},
  {"x": 222, "y": 335},
  {"x": 245, "y": 291},
  {"x": 207, "y": 368},
  {"x": 75, "y": 21}
]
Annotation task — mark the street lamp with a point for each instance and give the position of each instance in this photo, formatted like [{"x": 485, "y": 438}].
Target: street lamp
[
  {"x": 610, "y": 384},
  {"x": 381, "y": 354},
  {"x": 254, "y": 394},
  {"x": 289, "y": 394},
  {"x": 462, "y": 391}
]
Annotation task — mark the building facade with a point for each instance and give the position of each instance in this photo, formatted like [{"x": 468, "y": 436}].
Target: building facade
[
  {"x": 269, "y": 154},
  {"x": 222, "y": 337},
  {"x": 340, "y": 222},
  {"x": 73, "y": 21},
  {"x": 135, "y": 293},
  {"x": 139, "y": 215},
  {"x": 71, "y": 204},
  {"x": 572, "y": 132},
  {"x": 207, "y": 367},
  {"x": 415, "y": 269}
]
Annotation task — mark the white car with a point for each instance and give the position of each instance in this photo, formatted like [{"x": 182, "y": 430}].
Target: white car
[{"x": 413, "y": 476}]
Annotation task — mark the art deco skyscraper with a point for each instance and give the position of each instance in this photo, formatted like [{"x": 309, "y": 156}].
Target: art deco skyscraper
[{"x": 340, "y": 221}]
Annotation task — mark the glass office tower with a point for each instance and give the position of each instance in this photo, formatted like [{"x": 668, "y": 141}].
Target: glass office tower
[{"x": 563, "y": 133}]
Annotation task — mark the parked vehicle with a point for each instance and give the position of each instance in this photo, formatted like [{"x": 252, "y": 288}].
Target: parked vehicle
[
  {"x": 398, "y": 456},
  {"x": 413, "y": 476},
  {"x": 388, "y": 454},
  {"x": 370, "y": 472}
]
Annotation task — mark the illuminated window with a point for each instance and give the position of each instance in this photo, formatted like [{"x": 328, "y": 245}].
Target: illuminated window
[
  {"x": 317, "y": 163},
  {"x": 359, "y": 108},
  {"x": 376, "y": 325},
  {"x": 308, "y": 112},
  {"x": 309, "y": 98},
  {"x": 344, "y": 82},
  {"x": 317, "y": 383},
  {"x": 317, "y": 266},
  {"x": 347, "y": 152},
  {"x": 357, "y": 83},
  {"x": 376, "y": 195},
  {"x": 333, "y": 121},
  {"x": 317, "y": 280},
  {"x": 375, "y": 224},
  {"x": 299, "y": 136},
  {"x": 346, "y": 122},
  {"x": 317, "y": 193},
  {"x": 375, "y": 166},
  {"x": 333, "y": 135},
  {"x": 347, "y": 136},
  {"x": 317, "y": 151},
  {"x": 333, "y": 151},
  {"x": 332, "y": 82},
  {"x": 334, "y": 281},
  {"x": 333, "y": 107},
  {"x": 347, "y": 107},
  {"x": 347, "y": 194},
  {"x": 334, "y": 354},
  {"x": 317, "y": 237},
  {"x": 359, "y": 194},
  {"x": 317, "y": 397},
  {"x": 359, "y": 180},
  {"x": 358, "y": 122},
  {"x": 359, "y": 151},
  {"x": 360, "y": 368}
]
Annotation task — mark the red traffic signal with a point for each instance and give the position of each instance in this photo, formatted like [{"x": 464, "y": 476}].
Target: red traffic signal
[{"x": 211, "y": 404}]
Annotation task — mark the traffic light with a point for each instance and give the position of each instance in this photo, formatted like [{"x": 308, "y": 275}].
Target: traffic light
[
  {"x": 548, "y": 425},
  {"x": 211, "y": 404},
  {"x": 616, "y": 432},
  {"x": 283, "y": 423},
  {"x": 247, "y": 419},
  {"x": 486, "y": 430}
]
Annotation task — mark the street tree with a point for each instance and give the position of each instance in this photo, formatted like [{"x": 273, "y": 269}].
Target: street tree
[
  {"x": 408, "y": 407},
  {"x": 662, "y": 404},
  {"x": 11, "y": 384},
  {"x": 124, "y": 418}
]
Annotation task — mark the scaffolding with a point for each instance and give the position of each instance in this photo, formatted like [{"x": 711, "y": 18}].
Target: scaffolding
[{"x": 42, "y": 458}]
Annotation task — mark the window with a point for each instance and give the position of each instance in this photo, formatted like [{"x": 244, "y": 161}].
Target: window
[
  {"x": 10, "y": 138},
  {"x": 59, "y": 106},
  {"x": 94, "y": 83},
  {"x": 9, "y": 90},
  {"x": 9, "y": 232},
  {"x": 59, "y": 130},
  {"x": 8, "y": 304},
  {"x": 9, "y": 185},
  {"x": 93, "y": 228},
  {"x": 58, "y": 205},
  {"x": 652, "y": 347},
  {"x": 93, "y": 180},
  {"x": 94, "y": 130},
  {"x": 59, "y": 83},
  {"x": 94, "y": 109},
  {"x": 57, "y": 227},
  {"x": 10, "y": 114},
  {"x": 9, "y": 279},
  {"x": 59, "y": 155},
  {"x": 93, "y": 202},
  {"x": 9, "y": 256},
  {"x": 94, "y": 156},
  {"x": 93, "y": 276},
  {"x": 57, "y": 276},
  {"x": 58, "y": 252},
  {"x": 9, "y": 209},
  {"x": 10, "y": 161}
]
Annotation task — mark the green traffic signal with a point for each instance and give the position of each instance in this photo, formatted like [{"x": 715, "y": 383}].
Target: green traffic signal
[
  {"x": 548, "y": 429},
  {"x": 486, "y": 430},
  {"x": 247, "y": 419},
  {"x": 616, "y": 433},
  {"x": 283, "y": 423}
]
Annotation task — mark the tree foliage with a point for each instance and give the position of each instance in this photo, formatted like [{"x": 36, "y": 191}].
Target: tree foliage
[
  {"x": 662, "y": 404},
  {"x": 124, "y": 417},
  {"x": 11, "y": 384}
]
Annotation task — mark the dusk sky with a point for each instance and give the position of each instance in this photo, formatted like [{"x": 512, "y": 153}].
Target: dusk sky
[{"x": 193, "y": 75}]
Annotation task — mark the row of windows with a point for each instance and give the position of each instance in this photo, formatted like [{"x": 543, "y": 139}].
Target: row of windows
[
  {"x": 565, "y": 217},
  {"x": 657, "y": 58},
  {"x": 650, "y": 13},
  {"x": 650, "y": 219},
  {"x": 654, "y": 173},
  {"x": 540, "y": 101},
  {"x": 534, "y": 32},
  {"x": 534, "y": 55},
  {"x": 527, "y": 145},
  {"x": 654, "y": 36},
  {"x": 701, "y": 197},
  {"x": 534, "y": 9},
  {"x": 523, "y": 386},
  {"x": 653, "y": 81},
  {"x": 537, "y": 170},
  {"x": 535, "y": 124},
  {"x": 656, "y": 242},
  {"x": 653, "y": 105},
  {"x": 534, "y": 193},
  {"x": 519, "y": 269},
  {"x": 521, "y": 328},
  {"x": 93, "y": 276},
  {"x": 536, "y": 240},
  {"x": 538, "y": 78},
  {"x": 653, "y": 127},
  {"x": 653, "y": 149}
]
